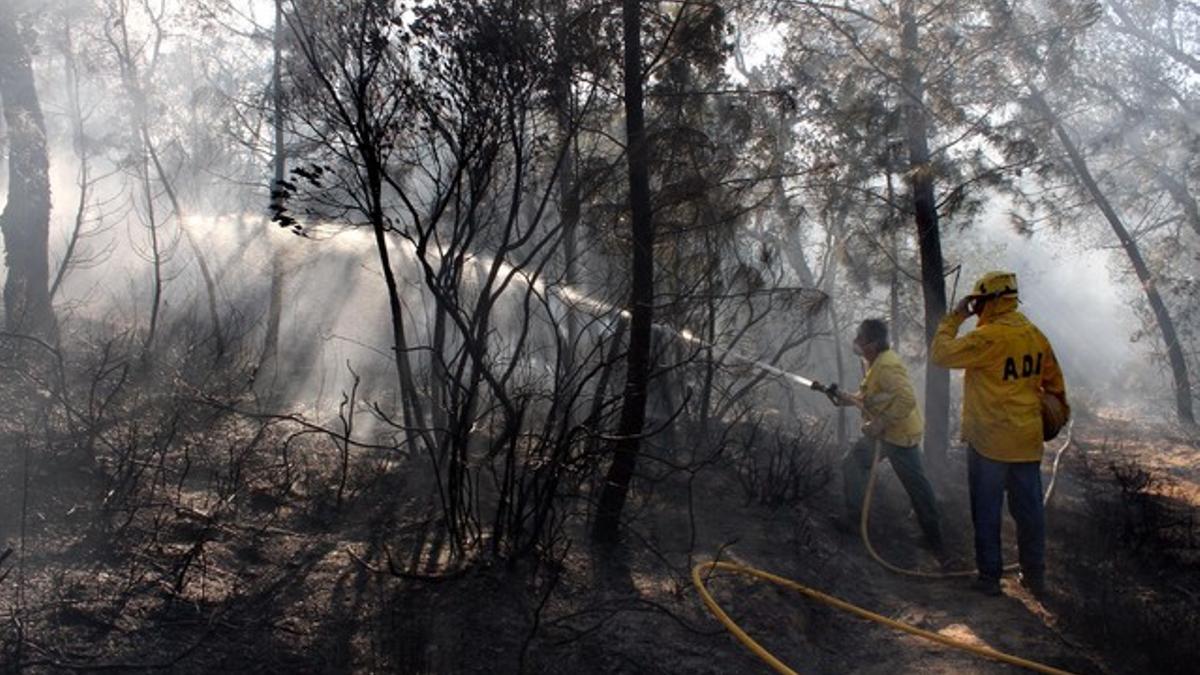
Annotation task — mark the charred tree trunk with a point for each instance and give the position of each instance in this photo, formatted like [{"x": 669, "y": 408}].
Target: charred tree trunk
[
  {"x": 633, "y": 410},
  {"x": 156, "y": 259},
  {"x": 568, "y": 184},
  {"x": 1162, "y": 315},
  {"x": 25, "y": 222},
  {"x": 409, "y": 400},
  {"x": 712, "y": 290},
  {"x": 929, "y": 241}
]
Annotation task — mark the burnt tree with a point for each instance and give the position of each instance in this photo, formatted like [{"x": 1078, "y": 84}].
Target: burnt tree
[
  {"x": 638, "y": 365},
  {"x": 25, "y": 221},
  {"x": 929, "y": 241}
]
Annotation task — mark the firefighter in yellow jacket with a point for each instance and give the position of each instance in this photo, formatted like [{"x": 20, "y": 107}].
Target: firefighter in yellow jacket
[
  {"x": 891, "y": 418},
  {"x": 1009, "y": 366}
]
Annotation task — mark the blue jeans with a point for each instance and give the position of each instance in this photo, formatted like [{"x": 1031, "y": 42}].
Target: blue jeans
[{"x": 989, "y": 480}]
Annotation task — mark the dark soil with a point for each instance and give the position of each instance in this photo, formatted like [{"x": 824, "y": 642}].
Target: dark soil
[{"x": 295, "y": 585}]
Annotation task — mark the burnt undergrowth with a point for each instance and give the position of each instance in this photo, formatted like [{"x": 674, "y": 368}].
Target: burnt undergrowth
[
  {"x": 1131, "y": 570},
  {"x": 166, "y": 516}
]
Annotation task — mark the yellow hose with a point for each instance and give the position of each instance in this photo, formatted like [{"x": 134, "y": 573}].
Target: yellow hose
[
  {"x": 832, "y": 601},
  {"x": 837, "y": 603}
]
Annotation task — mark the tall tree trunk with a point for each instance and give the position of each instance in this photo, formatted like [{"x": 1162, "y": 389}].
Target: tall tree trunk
[
  {"x": 25, "y": 222},
  {"x": 711, "y": 290},
  {"x": 568, "y": 184},
  {"x": 633, "y": 410},
  {"x": 442, "y": 398},
  {"x": 1175, "y": 356},
  {"x": 268, "y": 366},
  {"x": 409, "y": 401},
  {"x": 929, "y": 241},
  {"x": 156, "y": 260}
]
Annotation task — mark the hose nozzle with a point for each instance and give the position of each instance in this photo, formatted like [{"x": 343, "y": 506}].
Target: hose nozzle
[{"x": 831, "y": 390}]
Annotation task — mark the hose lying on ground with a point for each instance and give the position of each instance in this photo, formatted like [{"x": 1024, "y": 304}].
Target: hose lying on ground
[{"x": 837, "y": 603}]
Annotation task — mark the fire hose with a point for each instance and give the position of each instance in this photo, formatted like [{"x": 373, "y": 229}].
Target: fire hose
[
  {"x": 836, "y": 603},
  {"x": 835, "y": 395}
]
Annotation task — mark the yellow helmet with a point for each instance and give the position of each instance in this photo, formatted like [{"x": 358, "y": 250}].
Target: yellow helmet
[{"x": 995, "y": 284}]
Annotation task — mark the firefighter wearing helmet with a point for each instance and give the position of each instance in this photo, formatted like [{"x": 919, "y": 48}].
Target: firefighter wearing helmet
[{"x": 1013, "y": 400}]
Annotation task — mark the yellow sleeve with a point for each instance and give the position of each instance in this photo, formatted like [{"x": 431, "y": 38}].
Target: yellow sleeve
[
  {"x": 893, "y": 399},
  {"x": 974, "y": 349}
]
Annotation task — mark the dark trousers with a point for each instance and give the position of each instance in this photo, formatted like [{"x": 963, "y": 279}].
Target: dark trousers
[
  {"x": 989, "y": 480},
  {"x": 856, "y": 466}
]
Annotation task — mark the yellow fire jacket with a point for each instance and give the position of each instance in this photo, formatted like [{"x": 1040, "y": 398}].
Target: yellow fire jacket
[
  {"x": 1009, "y": 364},
  {"x": 889, "y": 402}
]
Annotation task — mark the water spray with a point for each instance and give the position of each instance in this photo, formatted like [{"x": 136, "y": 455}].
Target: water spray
[{"x": 576, "y": 299}]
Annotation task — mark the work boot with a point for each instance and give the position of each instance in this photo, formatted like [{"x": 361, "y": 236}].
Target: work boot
[
  {"x": 1035, "y": 583},
  {"x": 986, "y": 585}
]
